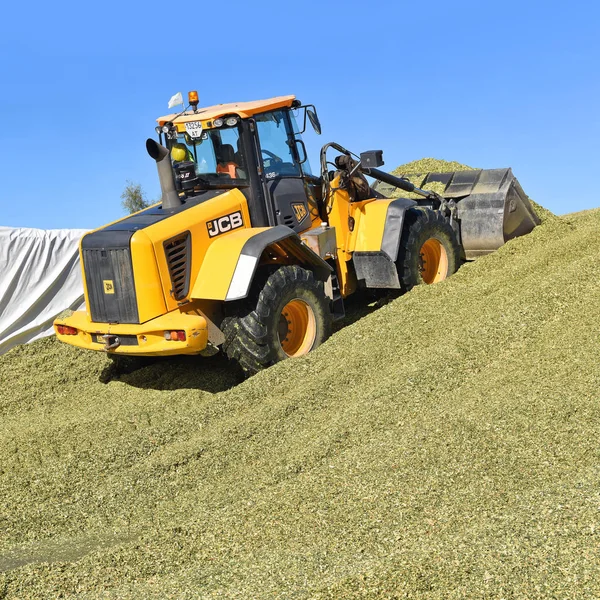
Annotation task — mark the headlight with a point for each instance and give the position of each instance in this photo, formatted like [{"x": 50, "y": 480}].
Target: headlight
[{"x": 218, "y": 122}]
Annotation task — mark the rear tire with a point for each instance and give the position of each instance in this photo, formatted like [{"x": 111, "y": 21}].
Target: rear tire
[
  {"x": 289, "y": 317},
  {"x": 429, "y": 251}
]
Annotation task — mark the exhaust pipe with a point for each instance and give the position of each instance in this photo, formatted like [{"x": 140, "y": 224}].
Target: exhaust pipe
[{"x": 170, "y": 197}]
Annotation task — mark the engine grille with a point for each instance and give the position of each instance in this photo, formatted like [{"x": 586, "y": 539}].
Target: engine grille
[
  {"x": 178, "y": 253},
  {"x": 110, "y": 285}
]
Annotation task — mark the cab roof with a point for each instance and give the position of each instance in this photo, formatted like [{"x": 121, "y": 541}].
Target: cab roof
[{"x": 242, "y": 109}]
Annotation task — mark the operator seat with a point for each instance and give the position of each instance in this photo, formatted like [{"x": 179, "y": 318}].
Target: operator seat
[{"x": 227, "y": 162}]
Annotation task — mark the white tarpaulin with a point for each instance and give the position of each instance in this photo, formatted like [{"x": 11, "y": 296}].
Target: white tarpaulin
[{"x": 40, "y": 276}]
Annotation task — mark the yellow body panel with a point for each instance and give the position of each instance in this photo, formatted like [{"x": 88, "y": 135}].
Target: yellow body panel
[
  {"x": 195, "y": 221},
  {"x": 366, "y": 236},
  {"x": 338, "y": 218},
  {"x": 369, "y": 223},
  {"x": 150, "y": 335},
  {"x": 219, "y": 264},
  {"x": 149, "y": 291},
  {"x": 151, "y": 272}
]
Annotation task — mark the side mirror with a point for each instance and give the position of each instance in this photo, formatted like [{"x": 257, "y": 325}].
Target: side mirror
[
  {"x": 314, "y": 120},
  {"x": 371, "y": 159}
]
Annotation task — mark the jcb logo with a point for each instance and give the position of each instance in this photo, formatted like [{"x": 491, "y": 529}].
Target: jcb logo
[
  {"x": 109, "y": 286},
  {"x": 224, "y": 224},
  {"x": 300, "y": 211}
]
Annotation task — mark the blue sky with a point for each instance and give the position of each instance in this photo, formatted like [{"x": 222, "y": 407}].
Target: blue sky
[{"x": 487, "y": 84}]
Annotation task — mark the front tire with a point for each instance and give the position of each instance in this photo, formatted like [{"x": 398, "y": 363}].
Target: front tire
[
  {"x": 429, "y": 251},
  {"x": 289, "y": 316}
]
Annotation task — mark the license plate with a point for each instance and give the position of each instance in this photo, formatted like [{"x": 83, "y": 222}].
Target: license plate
[{"x": 194, "y": 129}]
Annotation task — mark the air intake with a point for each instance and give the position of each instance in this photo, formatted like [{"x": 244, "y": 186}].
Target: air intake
[{"x": 178, "y": 253}]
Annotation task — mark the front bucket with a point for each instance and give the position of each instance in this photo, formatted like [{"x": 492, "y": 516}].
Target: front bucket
[{"x": 492, "y": 208}]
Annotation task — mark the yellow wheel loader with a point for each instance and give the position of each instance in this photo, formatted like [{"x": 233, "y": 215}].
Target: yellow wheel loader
[{"x": 251, "y": 253}]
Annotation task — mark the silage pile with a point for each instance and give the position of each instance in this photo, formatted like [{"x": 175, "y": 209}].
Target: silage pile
[{"x": 444, "y": 446}]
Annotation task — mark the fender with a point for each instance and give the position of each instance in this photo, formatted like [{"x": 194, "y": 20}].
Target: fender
[
  {"x": 377, "y": 268},
  {"x": 394, "y": 221},
  {"x": 231, "y": 261}
]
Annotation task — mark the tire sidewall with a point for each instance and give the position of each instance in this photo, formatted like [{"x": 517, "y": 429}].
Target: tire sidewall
[
  {"x": 447, "y": 243},
  {"x": 252, "y": 331},
  {"x": 426, "y": 224},
  {"x": 307, "y": 293}
]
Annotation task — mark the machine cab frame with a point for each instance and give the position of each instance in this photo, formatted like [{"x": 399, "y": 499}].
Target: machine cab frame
[{"x": 281, "y": 191}]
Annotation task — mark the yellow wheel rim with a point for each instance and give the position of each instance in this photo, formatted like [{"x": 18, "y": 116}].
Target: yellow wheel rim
[
  {"x": 434, "y": 261},
  {"x": 297, "y": 328}
]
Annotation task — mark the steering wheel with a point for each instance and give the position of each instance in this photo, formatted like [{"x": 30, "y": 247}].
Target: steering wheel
[{"x": 271, "y": 155}]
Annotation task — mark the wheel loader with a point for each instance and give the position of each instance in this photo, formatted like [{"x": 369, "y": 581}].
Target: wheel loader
[{"x": 251, "y": 253}]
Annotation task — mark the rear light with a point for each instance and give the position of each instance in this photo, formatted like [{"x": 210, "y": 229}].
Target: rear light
[
  {"x": 66, "y": 330},
  {"x": 175, "y": 336}
]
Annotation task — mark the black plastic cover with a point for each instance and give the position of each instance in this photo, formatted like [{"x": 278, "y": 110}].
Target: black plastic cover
[
  {"x": 371, "y": 159},
  {"x": 109, "y": 277}
]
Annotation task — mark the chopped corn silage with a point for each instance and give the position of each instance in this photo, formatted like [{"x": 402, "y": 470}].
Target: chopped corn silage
[{"x": 444, "y": 446}]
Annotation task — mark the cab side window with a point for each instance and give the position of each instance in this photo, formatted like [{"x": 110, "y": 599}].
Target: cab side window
[{"x": 276, "y": 140}]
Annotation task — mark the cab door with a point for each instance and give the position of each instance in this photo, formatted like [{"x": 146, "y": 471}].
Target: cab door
[{"x": 287, "y": 182}]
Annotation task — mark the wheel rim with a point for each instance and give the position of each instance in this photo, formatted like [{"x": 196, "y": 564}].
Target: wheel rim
[
  {"x": 297, "y": 328},
  {"x": 434, "y": 261}
]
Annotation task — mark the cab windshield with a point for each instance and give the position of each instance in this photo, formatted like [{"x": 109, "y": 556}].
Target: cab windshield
[{"x": 212, "y": 159}]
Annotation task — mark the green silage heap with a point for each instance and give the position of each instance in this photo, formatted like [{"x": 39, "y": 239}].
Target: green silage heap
[
  {"x": 443, "y": 446},
  {"x": 416, "y": 171}
]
